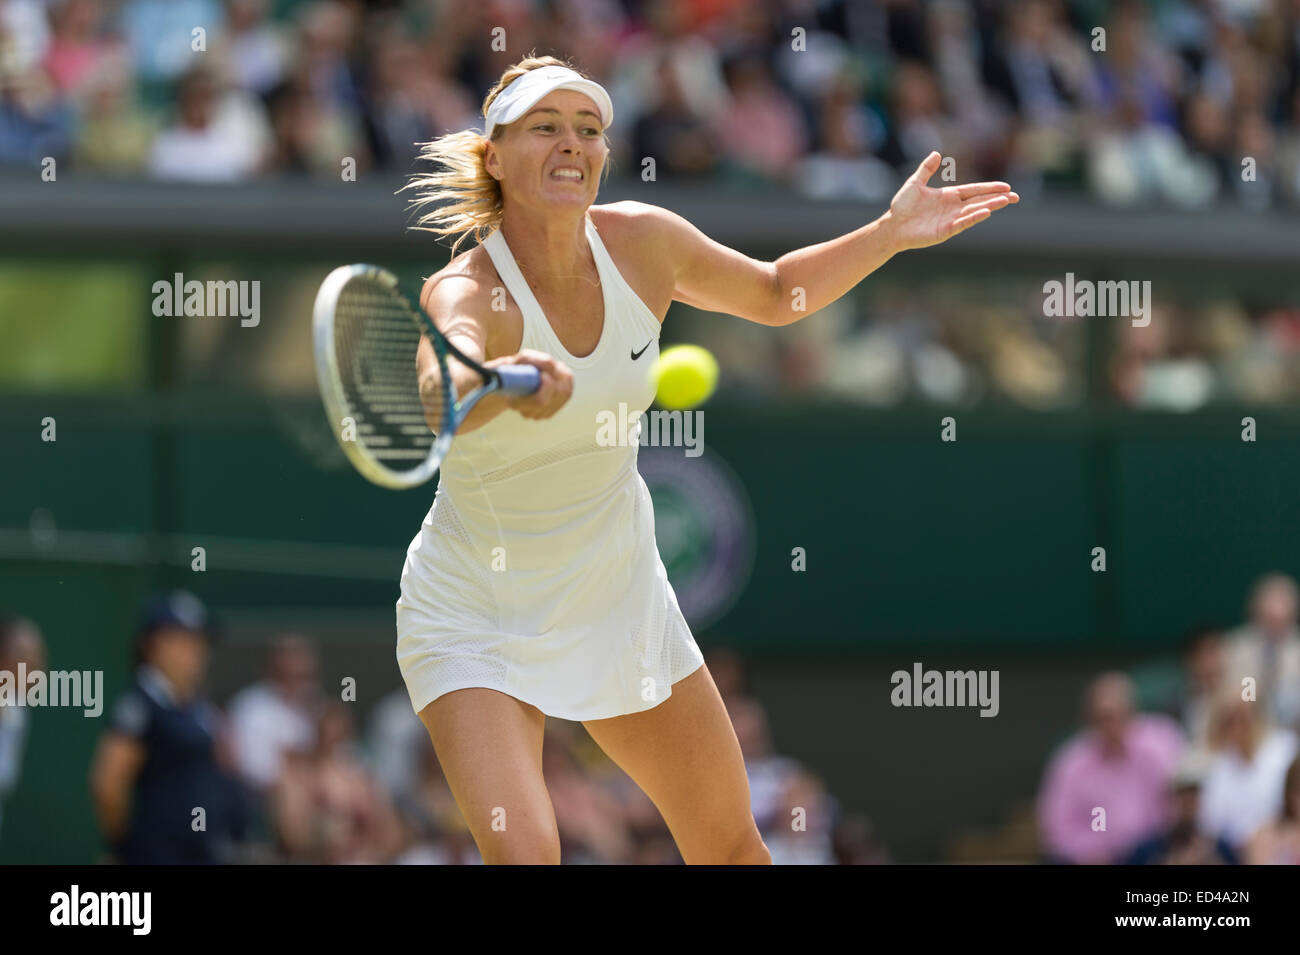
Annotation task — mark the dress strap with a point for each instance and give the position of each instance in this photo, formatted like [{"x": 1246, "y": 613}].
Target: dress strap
[{"x": 517, "y": 285}]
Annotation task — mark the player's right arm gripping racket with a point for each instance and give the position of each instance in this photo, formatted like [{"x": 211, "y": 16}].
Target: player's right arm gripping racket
[{"x": 366, "y": 334}]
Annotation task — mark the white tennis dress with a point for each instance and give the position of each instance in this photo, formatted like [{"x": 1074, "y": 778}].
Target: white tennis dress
[{"x": 536, "y": 571}]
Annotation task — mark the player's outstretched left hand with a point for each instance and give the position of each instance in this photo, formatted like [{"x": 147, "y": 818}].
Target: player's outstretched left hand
[{"x": 920, "y": 215}]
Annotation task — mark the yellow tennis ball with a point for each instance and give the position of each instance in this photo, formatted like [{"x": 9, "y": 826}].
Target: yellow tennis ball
[{"x": 684, "y": 376}]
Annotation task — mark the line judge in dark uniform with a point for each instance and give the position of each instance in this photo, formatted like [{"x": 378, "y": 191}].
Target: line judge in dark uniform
[{"x": 158, "y": 761}]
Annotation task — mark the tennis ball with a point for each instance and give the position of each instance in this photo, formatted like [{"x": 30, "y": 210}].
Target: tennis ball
[{"x": 684, "y": 376}]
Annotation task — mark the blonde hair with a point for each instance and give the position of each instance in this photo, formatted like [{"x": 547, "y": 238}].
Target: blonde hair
[
  {"x": 465, "y": 199},
  {"x": 1227, "y": 705}
]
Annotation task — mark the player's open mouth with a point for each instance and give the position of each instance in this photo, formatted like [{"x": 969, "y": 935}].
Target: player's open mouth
[{"x": 568, "y": 174}]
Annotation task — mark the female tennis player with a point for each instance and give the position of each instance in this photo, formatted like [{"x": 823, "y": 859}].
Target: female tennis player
[{"x": 534, "y": 587}]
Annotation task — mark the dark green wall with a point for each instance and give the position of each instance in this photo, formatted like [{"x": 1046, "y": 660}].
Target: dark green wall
[{"x": 913, "y": 545}]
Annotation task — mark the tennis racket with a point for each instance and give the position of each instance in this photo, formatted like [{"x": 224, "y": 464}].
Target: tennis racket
[{"x": 365, "y": 336}]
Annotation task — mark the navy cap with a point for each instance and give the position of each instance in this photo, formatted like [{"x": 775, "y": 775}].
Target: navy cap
[{"x": 176, "y": 608}]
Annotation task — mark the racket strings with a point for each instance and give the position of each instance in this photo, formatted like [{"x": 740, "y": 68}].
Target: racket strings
[{"x": 376, "y": 338}]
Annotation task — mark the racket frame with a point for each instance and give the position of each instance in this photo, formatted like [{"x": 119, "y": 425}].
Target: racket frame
[{"x": 520, "y": 379}]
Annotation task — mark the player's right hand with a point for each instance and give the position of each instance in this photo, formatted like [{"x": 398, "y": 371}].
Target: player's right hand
[{"x": 556, "y": 387}]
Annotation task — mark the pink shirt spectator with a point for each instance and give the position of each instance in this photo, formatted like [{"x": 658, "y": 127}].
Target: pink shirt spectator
[{"x": 1132, "y": 787}]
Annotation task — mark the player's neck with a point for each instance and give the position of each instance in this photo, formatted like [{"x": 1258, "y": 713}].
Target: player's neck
[{"x": 548, "y": 246}]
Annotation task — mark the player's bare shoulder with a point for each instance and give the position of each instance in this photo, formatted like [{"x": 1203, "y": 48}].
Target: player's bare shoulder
[
  {"x": 462, "y": 284},
  {"x": 631, "y": 220},
  {"x": 467, "y": 293},
  {"x": 641, "y": 239}
]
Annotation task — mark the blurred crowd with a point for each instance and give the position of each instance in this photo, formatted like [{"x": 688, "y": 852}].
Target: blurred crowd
[
  {"x": 1182, "y": 102},
  {"x": 283, "y": 774},
  {"x": 1200, "y": 769},
  {"x": 1195, "y": 763},
  {"x": 732, "y": 94}
]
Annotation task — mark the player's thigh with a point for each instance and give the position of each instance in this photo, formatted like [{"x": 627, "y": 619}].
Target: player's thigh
[
  {"x": 490, "y": 748},
  {"x": 684, "y": 755}
]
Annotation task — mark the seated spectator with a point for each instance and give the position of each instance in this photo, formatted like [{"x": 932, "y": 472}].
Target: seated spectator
[
  {"x": 278, "y": 714},
  {"x": 256, "y": 49},
  {"x": 806, "y": 821},
  {"x": 77, "y": 45},
  {"x": 770, "y": 775},
  {"x": 1278, "y": 842},
  {"x": 116, "y": 133},
  {"x": 844, "y": 166},
  {"x": 1182, "y": 843},
  {"x": 762, "y": 133},
  {"x": 1105, "y": 789},
  {"x": 396, "y": 741},
  {"x": 436, "y": 831},
  {"x": 35, "y": 122},
  {"x": 1201, "y": 678},
  {"x": 20, "y": 645},
  {"x": 1267, "y": 649},
  {"x": 854, "y": 842},
  {"x": 212, "y": 140},
  {"x": 591, "y": 822},
  {"x": 311, "y": 134},
  {"x": 1243, "y": 790},
  {"x": 326, "y": 809},
  {"x": 678, "y": 139}
]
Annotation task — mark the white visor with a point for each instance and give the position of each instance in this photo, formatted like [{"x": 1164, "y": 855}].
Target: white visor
[{"x": 524, "y": 93}]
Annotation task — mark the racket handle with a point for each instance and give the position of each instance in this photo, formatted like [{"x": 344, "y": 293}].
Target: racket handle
[{"x": 519, "y": 379}]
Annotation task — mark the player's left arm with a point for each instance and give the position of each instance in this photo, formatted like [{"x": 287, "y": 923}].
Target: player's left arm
[{"x": 710, "y": 276}]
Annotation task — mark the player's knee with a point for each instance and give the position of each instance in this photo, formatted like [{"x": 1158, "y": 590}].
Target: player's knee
[
  {"x": 747, "y": 848},
  {"x": 522, "y": 844},
  {"x": 732, "y": 845}
]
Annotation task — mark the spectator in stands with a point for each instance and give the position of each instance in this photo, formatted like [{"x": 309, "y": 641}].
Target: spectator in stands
[
  {"x": 116, "y": 133},
  {"x": 854, "y": 842},
  {"x": 1266, "y": 649},
  {"x": 24, "y": 33},
  {"x": 1136, "y": 153},
  {"x": 436, "y": 830},
  {"x": 919, "y": 122},
  {"x": 21, "y": 644},
  {"x": 803, "y": 824},
  {"x": 1182, "y": 842},
  {"x": 1105, "y": 789},
  {"x": 1243, "y": 789},
  {"x": 843, "y": 166},
  {"x": 160, "y": 34},
  {"x": 257, "y": 50},
  {"x": 35, "y": 123},
  {"x": 396, "y": 741},
  {"x": 313, "y": 135},
  {"x": 770, "y": 775},
  {"x": 762, "y": 133},
  {"x": 216, "y": 137},
  {"x": 277, "y": 715},
  {"x": 1202, "y": 677},
  {"x": 325, "y": 807},
  {"x": 1278, "y": 842},
  {"x": 675, "y": 137},
  {"x": 1037, "y": 67},
  {"x": 590, "y": 821},
  {"x": 77, "y": 44},
  {"x": 161, "y": 765}
]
